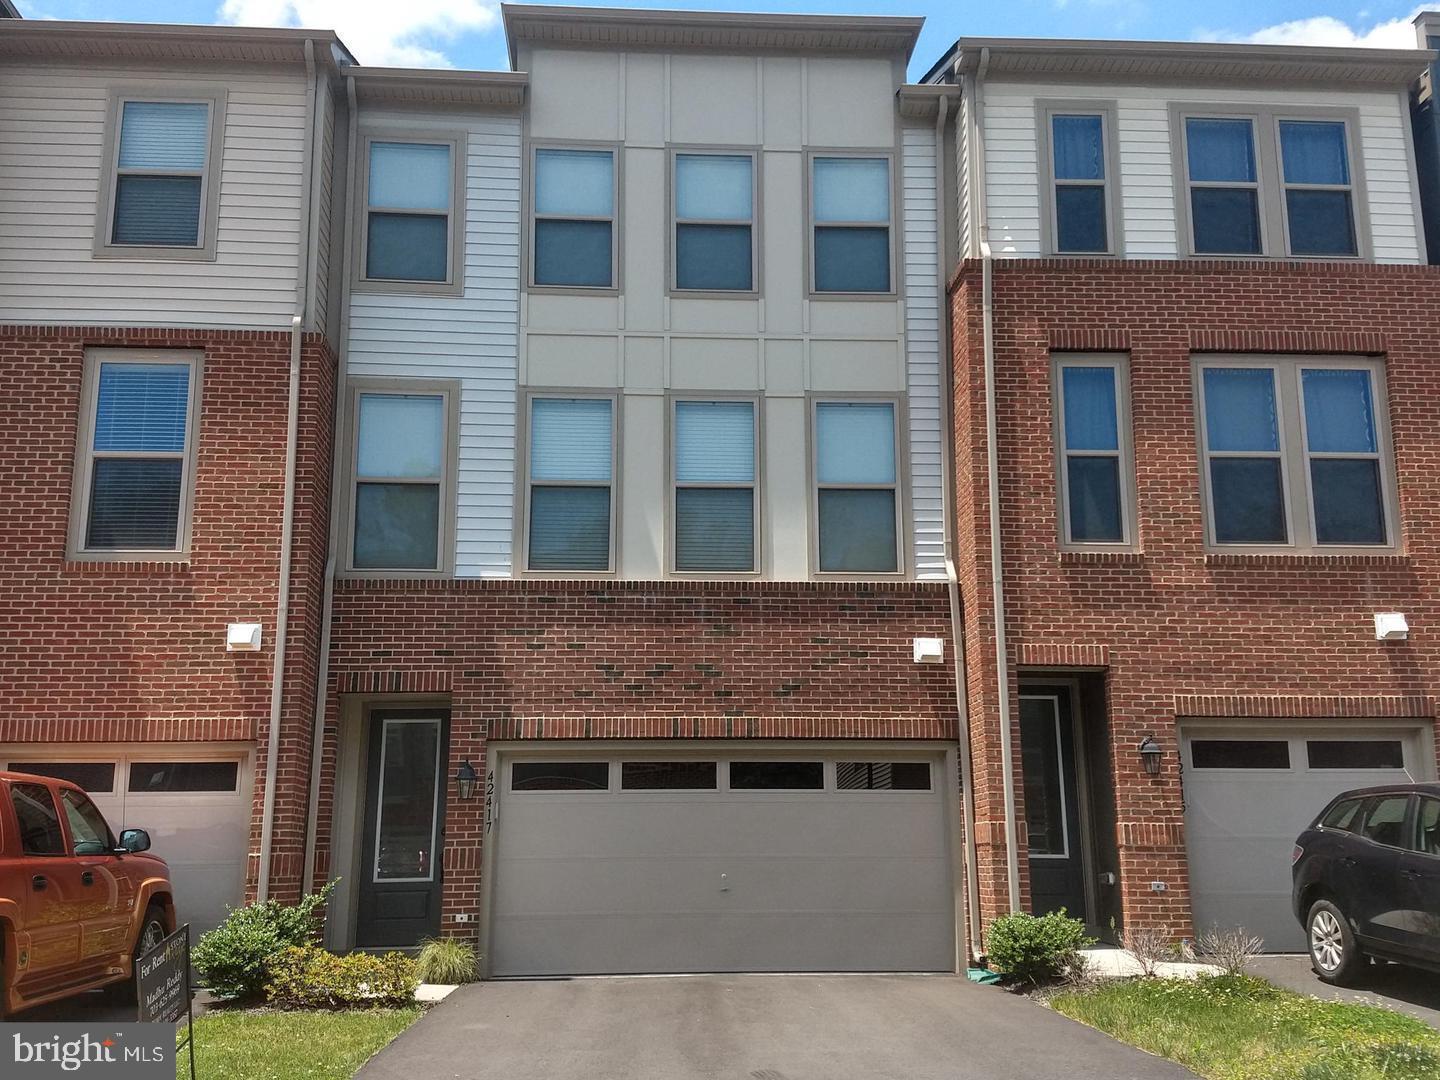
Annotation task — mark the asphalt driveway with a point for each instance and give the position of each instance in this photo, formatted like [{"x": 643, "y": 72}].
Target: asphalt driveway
[
  {"x": 1405, "y": 990},
  {"x": 753, "y": 1027}
]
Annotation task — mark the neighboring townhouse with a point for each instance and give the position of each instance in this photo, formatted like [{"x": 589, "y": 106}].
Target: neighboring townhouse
[
  {"x": 1194, "y": 362},
  {"x": 1425, "y": 122},
  {"x": 638, "y": 659},
  {"x": 164, "y": 340}
]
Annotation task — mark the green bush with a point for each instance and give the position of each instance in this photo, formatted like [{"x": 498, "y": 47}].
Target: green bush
[
  {"x": 233, "y": 960},
  {"x": 1031, "y": 949},
  {"x": 447, "y": 961},
  {"x": 308, "y": 977}
]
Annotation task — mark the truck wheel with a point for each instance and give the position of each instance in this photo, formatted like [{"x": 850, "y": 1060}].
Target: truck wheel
[{"x": 152, "y": 932}]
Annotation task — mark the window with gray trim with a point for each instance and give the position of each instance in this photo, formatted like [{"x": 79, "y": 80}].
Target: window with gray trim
[
  {"x": 399, "y": 506},
  {"x": 850, "y": 208},
  {"x": 857, "y": 488},
  {"x": 1082, "y": 220},
  {"x": 134, "y": 479},
  {"x": 1281, "y": 182},
  {"x": 715, "y": 491},
  {"x": 161, "y": 173},
  {"x": 571, "y": 481},
  {"x": 411, "y": 211},
  {"x": 1295, "y": 452},
  {"x": 574, "y": 201},
  {"x": 1093, "y": 444},
  {"x": 714, "y": 209}
]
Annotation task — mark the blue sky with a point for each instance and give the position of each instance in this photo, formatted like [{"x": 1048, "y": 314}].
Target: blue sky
[{"x": 466, "y": 33}]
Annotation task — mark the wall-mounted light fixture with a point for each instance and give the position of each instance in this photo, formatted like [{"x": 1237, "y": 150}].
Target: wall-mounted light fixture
[
  {"x": 1150, "y": 754},
  {"x": 465, "y": 780}
]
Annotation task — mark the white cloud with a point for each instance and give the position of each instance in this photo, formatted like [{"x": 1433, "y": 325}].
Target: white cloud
[
  {"x": 1328, "y": 30},
  {"x": 411, "y": 33}
]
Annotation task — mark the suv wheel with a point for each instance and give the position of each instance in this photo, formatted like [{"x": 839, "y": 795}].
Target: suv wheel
[
  {"x": 1334, "y": 953},
  {"x": 152, "y": 932}
]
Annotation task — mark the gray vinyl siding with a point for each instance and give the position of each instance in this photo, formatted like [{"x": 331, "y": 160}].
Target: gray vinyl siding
[
  {"x": 919, "y": 207},
  {"x": 471, "y": 339},
  {"x": 52, "y": 134}
]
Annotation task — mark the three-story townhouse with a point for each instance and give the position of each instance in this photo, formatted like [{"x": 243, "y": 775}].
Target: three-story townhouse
[{"x": 1195, "y": 435}]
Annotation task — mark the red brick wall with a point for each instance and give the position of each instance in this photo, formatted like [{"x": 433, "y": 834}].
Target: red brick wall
[
  {"x": 1180, "y": 632},
  {"x": 595, "y": 660},
  {"x": 136, "y": 651}
]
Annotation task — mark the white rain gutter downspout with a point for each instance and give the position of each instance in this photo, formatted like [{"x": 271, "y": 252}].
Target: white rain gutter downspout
[
  {"x": 992, "y": 481},
  {"x": 322, "y": 687},
  {"x": 973, "y": 930},
  {"x": 287, "y": 523}
]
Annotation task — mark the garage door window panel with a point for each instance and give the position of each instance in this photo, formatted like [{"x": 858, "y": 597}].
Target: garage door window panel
[
  {"x": 406, "y": 806},
  {"x": 882, "y": 776},
  {"x": 39, "y": 821},
  {"x": 777, "y": 776},
  {"x": 560, "y": 776},
  {"x": 668, "y": 776},
  {"x": 89, "y": 834},
  {"x": 1364, "y": 754},
  {"x": 93, "y": 776},
  {"x": 1240, "y": 754},
  {"x": 189, "y": 776},
  {"x": 1385, "y": 820}
]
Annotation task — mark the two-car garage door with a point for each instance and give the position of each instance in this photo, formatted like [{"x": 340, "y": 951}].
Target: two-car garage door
[
  {"x": 1250, "y": 791},
  {"x": 613, "y": 863},
  {"x": 193, "y": 800}
]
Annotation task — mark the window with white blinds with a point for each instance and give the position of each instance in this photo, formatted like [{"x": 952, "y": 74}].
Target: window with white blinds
[
  {"x": 410, "y": 212},
  {"x": 134, "y": 479},
  {"x": 714, "y": 479},
  {"x": 857, "y": 493},
  {"x": 160, "y": 173},
  {"x": 398, "y": 502},
  {"x": 571, "y": 481}
]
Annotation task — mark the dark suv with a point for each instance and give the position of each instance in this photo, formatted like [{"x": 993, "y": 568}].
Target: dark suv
[{"x": 1367, "y": 880}]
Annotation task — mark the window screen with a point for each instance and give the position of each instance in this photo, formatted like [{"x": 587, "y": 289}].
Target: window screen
[
  {"x": 400, "y": 457},
  {"x": 160, "y": 173},
  {"x": 850, "y": 203},
  {"x": 715, "y": 486},
  {"x": 714, "y": 216},
  {"x": 407, "y": 230},
  {"x": 574, "y": 218},
  {"x": 571, "y": 468},
  {"x": 855, "y": 473}
]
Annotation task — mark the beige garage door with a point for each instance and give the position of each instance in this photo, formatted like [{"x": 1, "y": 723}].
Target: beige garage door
[
  {"x": 1250, "y": 791},
  {"x": 822, "y": 862}
]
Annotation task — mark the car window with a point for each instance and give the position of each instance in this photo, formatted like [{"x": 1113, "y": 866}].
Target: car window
[
  {"x": 39, "y": 821},
  {"x": 1342, "y": 815},
  {"x": 88, "y": 831},
  {"x": 1385, "y": 822},
  {"x": 1427, "y": 833}
]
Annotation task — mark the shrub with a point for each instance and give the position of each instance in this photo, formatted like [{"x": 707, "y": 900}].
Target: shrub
[
  {"x": 1230, "y": 950},
  {"x": 233, "y": 960},
  {"x": 1151, "y": 946},
  {"x": 309, "y": 977},
  {"x": 1034, "y": 950},
  {"x": 447, "y": 961}
]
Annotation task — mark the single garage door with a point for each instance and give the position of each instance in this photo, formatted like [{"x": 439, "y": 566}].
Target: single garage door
[
  {"x": 623, "y": 864},
  {"x": 1249, "y": 792},
  {"x": 194, "y": 803}
]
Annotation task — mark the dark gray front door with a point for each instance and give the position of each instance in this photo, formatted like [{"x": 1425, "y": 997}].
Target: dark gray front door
[
  {"x": 404, "y": 828},
  {"x": 1052, "y": 801}
]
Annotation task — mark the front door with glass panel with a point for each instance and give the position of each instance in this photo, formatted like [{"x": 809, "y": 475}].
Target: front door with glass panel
[
  {"x": 1052, "y": 802},
  {"x": 399, "y": 900}
]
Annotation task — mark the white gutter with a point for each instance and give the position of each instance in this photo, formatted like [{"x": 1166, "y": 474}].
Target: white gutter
[
  {"x": 287, "y": 524},
  {"x": 322, "y": 688},
  {"x": 974, "y": 937},
  {"x": 992, "y": 481}
]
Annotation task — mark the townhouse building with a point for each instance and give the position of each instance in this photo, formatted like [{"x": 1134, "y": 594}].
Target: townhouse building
[{"x": 1195, "y": 440}]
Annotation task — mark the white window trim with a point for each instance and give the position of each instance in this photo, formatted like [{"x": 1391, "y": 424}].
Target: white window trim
[
  {"x": 674, "y": 485},
  {"x": 615, "y": 218},
  {"x": 85, "y": 455},
  {"x": 889, "y": 156},
  {"x": 900, "y": 484},
  {"x": 204, "y": 249},
  {"x": 1119, "y": 363},
  {"x": 522, "y": 462},
  {"x": 454, "y": 213},
  {"x": 1046, "y": 111},
  {"x": 449, "y": 392},
  {"x": 675, "y": 152},
  {"x": 1294, "y": 456}
]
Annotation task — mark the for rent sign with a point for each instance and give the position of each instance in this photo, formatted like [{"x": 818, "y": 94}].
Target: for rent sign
[{"x": 162, "y": 980}]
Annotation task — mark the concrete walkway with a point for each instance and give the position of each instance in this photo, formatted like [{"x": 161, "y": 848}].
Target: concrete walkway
[
  {"x": 1406, "y": 990},
  {"x": 754, "y": 1027}
]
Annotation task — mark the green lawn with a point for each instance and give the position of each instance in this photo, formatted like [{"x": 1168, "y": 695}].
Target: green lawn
[
  {"x": 289, "y": 1045},
  {"x": 1241, "y": 1028}
]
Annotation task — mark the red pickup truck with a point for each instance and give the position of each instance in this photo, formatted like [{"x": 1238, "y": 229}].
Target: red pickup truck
[{"x": 76, "y": 905}]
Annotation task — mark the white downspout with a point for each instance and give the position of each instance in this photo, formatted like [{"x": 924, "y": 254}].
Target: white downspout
[
  {"x": 287, "y": 523},
  {"x": 322, "y": 688},
  {"x": 974, "y": 931},
  {"x": 992, "y": 480}
]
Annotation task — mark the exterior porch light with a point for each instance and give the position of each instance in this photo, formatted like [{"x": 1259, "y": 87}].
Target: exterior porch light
[
  {"x": 465, "y": 779},
  {"x": 1150, "y": 754}
]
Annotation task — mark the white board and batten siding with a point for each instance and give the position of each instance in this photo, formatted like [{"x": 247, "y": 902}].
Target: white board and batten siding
[
  {"x": 1147, "y": 174},
  {"x": 52, "y": 137},
  {"x": 919, "y": 239},
  {"x": 471, "y": 339}
]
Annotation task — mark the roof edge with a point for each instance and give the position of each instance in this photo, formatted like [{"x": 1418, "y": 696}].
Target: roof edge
[
  {"x": 155, "y": 35},
  {"x": 439, "y": 86}
]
